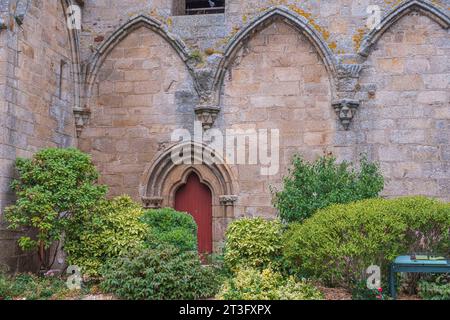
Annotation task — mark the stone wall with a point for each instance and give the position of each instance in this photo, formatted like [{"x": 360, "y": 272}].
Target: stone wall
[
  {"x": 287, "y": 65},
  {"x": 343, "y": 22},
  {"x": 143, "y": 92},
  {"x": 37, "y": 90},
  {"x": 296, "y": 66},
  {"x": 279, "y": 82},
  {"x": 406, "y": 124}
]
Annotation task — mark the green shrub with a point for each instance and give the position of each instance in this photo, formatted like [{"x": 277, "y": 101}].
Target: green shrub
[
  {"x": 438, "y": 289},
  {"x": 4, "y": 287},
  {"x": 163, "y": 273},
  {"x": 167, "y": 226},
  {"x": 253, "y": 284},
  {"x": 338, "y": 243},
  {"x": 313, "y": 186},
  {"x": 51, "y": 188},
  {"x": 252, "y": 242},
  {"x": 31, "y": 287},
  {"x": 110, "y": 230}
]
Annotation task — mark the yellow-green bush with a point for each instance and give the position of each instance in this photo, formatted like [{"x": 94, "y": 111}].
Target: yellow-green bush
[
  {"x": 253, "y": 284},
  {"x": 252, "y": 242},
  {"x": 111, "y": 229},
  {"x": 338, "y": 243},
  {"x": 51, "y": 188}
]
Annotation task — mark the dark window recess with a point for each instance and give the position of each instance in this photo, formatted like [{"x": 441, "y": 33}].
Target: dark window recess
[
  {"x": 62, "y": 77},
  {"x": 204, "y": 6}
]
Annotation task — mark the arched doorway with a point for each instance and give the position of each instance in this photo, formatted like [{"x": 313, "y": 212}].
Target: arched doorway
[{"x": 195, "y": 198}]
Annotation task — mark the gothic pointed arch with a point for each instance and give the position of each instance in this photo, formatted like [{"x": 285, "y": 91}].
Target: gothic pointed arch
[
  {"x": 96, "y": 61},
  {"x": 163, "y": 176},
  {"x": 288, "y": 16},
  {"x": 428, "y": 8}
]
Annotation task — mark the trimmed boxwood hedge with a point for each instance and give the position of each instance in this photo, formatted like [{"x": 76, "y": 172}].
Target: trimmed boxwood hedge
[{"x": 340, "y": 242}]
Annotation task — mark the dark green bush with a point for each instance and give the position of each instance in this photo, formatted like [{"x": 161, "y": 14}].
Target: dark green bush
[
  {"x": 109, "y": 230},
  {"x": 313, "y": 186},
  {"x": 52, "y": 187},
  {"x": 167, "y": 226},
  {"x": 30, "y": 287},
  {"x": 253, "y": 242},
  {"x": 161, "y": 273},
  {"x": 4, "y": 287},
  {"x": 435, "y": 289},
  {"x": 338, "y": 243}
]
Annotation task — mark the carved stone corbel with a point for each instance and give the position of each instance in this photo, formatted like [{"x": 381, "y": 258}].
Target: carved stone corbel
[
  {"x": 152, "y": 202},
  {"x": 345, "y": 110},
  {"x": 347, "y": 79},
  {"x": 228, "y": 200},
  {"x": 207, "y": 115},
  {"x": 81, "y": 119}
]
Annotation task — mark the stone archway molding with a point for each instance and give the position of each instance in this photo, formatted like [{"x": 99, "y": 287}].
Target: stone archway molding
[
  {"x": 97, "y": 59},
  {"x": 343, "y": 77},
  {"x": 261, "y": 21},
  {"x": 427, "y": 7},
  {"x": 163, "y": 177}
]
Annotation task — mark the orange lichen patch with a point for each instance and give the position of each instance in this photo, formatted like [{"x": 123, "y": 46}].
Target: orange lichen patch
[
  {"x": 308, "y": 16},
  {"x": 358, "y": 37},
  {"x": 325, "y": 33},
  {"x": 393, "y": 3},
  {"x": 211, "y": 51},
  {"x": 300, "y": 11},
  {"x": 155, "y": 14},
  {"x": 235, "y": 30},
  {"x": 278, "y": 2},
  {"x": 222, "y": 42}
]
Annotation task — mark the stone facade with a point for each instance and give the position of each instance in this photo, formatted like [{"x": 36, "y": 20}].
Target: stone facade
[
  {"x": 118, "y": 88},
  {"x": 279, "y": 82},
  {"x": 37, "y": 98}
]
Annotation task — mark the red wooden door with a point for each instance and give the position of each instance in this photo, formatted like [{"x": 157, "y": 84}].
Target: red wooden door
[{"x": 195, "y": 198}]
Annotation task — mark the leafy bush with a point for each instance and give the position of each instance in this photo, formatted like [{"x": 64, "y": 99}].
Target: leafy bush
[
  {"x": 4, "y": 287},
  {"x": 253, "y": 284},
  {"x": 252, "y": 242},
  {"x": 51, "y": 188},
  {"x": 30, "y": 287},
  {"x": 167, "y": 226},
  {"x": 165, "y": 273},
  {"x": 439, "y": 289},
  {"x": 338, "y": 243},
  {"x": 313, "y": 186},
  {"x": 110, "y": 230}
]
